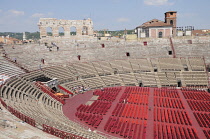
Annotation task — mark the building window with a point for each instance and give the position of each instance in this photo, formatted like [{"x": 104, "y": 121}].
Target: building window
[
  {"x": 171, "y": 13},
  {"x": 171, "y": 22},
  {"x": 160, "y": 34}
]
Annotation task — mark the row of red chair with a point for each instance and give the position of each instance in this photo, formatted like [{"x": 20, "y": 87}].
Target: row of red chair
[
  {"x": 199, "y": 105},
  {"x": 59, "y": 133},
  {"x": 166, "y": 93},
  {"x": 134, "y": 98},
  {"x": 126, "y": 128},
  {"x": 207, "y": 133},
  {"x": 168, "y": 102},
  {"x": 196, "y": 95},
  {"x": 108, "y": 96},
  {"x": 134, "y": 90},
  {"x": 98, "y": 107},
  {"x": 113, "y": 89},
  {"x": 131, "y": 111},
  {"x": 167, "y": 131},
  {"x": 171, "y": 116},
  {"x": 138, "y": 89},
  {"x": 93, "y": 114},
  {"x": 203, "y": 119},
  {"x": 49, "y": 91},
  {"x": 91, "y": 119}
]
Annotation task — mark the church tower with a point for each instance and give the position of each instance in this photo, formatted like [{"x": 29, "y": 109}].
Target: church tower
[
  {"x": 24, "y": 36},
  {"x": 170, "y": 18}
]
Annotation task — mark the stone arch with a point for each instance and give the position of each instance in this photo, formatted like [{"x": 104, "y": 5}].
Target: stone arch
[
  {"x": 49, "y": 31},
  {"x": 61, "y": 31},
  {"x": 84, "y": 30},
  {"x": 73, "y": 31},
  {"x": 70, "y": 27}
]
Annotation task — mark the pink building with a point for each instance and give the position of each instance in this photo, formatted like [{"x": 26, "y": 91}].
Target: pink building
[{"x": 158, "y": 29}]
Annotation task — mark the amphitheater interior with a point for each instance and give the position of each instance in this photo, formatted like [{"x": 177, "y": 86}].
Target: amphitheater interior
[{"x": 150, "y": 88}]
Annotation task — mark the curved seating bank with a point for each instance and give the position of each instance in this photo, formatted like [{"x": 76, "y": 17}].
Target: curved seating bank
[
  {"x": 27, "y": 102},
  {"x": 21, "y": 96},
  {"x": 175, "y": 113}
]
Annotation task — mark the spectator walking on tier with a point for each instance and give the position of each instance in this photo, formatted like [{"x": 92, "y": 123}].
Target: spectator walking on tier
[{"x": 42, "y": 60}]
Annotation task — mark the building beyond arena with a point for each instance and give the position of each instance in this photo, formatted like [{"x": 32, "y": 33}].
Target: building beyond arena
[{"x": 150, "y": 88}]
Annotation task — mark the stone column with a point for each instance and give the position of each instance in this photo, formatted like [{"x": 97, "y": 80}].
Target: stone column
[
  {"x": 66, "y": 30},
  {"x": 79, "y": 30},
  {"x": 55, "y": 31},
  {"x": 43, "y": 31}
]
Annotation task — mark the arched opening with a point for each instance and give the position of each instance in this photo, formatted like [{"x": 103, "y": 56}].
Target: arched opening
[
  {"x": 140, "y": 84},
  {"x": 85, "y": 30},
  {"x": 61, "y": 31},
  {"x": 54, "y": 89},
  {"x": 179, "y": 83},
  {"x": 49, "y": 31},
  {"x": 73, "y": 31},
  {"x": 160, "y": 34}
]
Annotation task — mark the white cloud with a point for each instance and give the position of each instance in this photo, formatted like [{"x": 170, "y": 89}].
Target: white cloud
[
  {"x": 37, "y": 15},
  {"x": 16, "y": 13},
  {"x": 123, "y": 20},
  {"x": 157, "y": 2}
]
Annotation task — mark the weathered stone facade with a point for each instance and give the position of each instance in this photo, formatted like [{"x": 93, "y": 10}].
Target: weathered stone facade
[{"x": 83, "y": 28}]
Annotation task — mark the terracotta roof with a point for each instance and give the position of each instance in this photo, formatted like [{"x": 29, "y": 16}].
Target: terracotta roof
[
  {"x": 154, "y": 23},
  {"x": 201, "y": 32}
]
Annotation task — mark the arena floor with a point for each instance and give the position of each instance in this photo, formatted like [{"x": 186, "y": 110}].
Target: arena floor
[{"x": 165, "y": 110}]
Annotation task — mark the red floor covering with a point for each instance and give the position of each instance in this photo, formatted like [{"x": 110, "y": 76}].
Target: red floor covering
[{"x": 165, "y": 113}]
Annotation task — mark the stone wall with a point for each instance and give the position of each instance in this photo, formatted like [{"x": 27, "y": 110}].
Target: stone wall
[
  {"x": 93, "y": 51},
  {"x": 83, "y": 29}
]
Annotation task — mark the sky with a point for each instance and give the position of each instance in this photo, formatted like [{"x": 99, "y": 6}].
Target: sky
[{"x": 23, "y": 15}]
